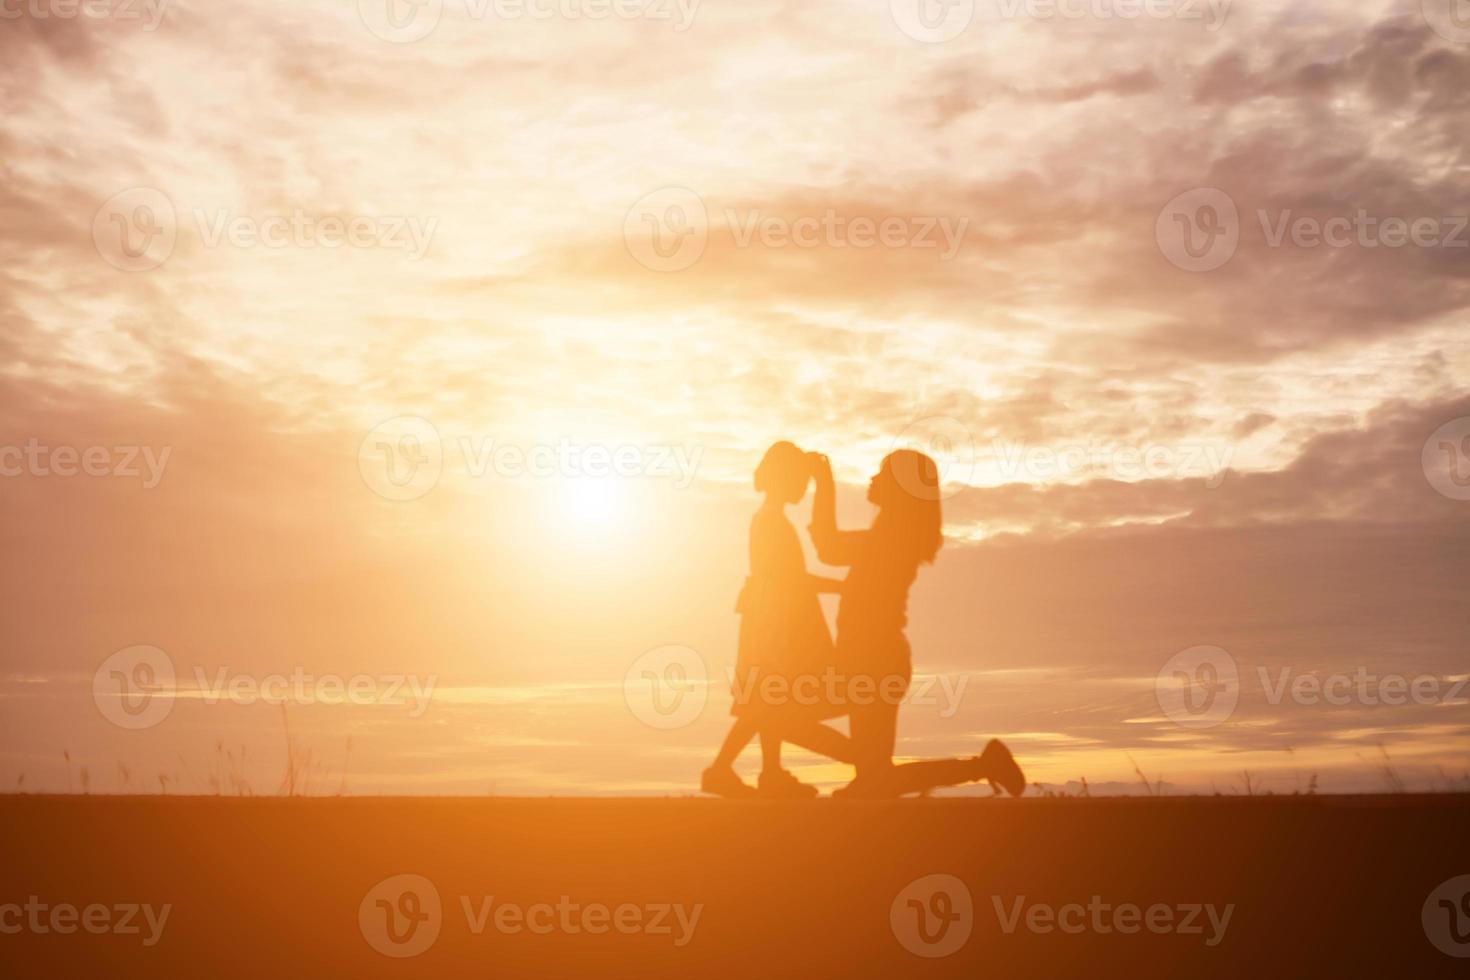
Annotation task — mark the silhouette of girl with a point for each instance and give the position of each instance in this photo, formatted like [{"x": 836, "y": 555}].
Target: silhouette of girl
[
  {"x": 783, "y": 634},
  {"x": 871, "y": 647}
]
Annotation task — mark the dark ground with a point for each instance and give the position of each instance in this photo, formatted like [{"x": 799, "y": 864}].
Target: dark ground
[{"x": 1321, "y": 886}]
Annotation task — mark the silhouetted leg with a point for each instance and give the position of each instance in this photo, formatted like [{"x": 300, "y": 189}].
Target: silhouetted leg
[
  {"x": 920, "y": 777},
  {"x": 720, "y": 779},
  {"x": 817, "y": 737},
  {"x": 770, "y": 748},
  {"x": 874, "y": 734},
  {"x": 874, "y": 729},
  {"x": 995, "y": 764},
  {"x": 885, "y": 730},
  {"x": 741, "y": 732},
  {"x": 776, "y": 782}
]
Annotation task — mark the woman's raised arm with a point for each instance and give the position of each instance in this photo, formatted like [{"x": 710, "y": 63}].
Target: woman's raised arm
[{"x": 834, "y": 547}]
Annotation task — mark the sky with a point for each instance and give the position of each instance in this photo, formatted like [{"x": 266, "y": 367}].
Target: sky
[{"x": 420, "y": 356}]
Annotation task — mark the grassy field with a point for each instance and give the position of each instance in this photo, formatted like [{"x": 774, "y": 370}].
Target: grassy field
[{"x": 294, "y": 888}]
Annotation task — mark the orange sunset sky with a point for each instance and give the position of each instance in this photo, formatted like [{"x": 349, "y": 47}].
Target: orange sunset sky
[{"x": 290, "y": 252}]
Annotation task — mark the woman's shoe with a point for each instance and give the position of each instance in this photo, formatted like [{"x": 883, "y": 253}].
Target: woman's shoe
[
  {"x": 724, "y": 783},
  {"x": 781, "y": 785},
  {"x": 999, "y": 766}
]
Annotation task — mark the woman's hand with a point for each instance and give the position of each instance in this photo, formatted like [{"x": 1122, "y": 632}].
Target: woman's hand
[{"x": 820, "y": 464}]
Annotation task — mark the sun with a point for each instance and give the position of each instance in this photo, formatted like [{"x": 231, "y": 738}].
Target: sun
[{"x": 591, "y": 504}]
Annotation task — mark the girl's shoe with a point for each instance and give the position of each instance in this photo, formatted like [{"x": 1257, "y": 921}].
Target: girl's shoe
[
  {"x": 999, "y": 766},
  {"x": 781, "y": 785},
  {"x": 724, "y": 783}
]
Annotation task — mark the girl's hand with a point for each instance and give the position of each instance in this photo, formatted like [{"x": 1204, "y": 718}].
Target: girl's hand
[{"x": 820, "y": 464}]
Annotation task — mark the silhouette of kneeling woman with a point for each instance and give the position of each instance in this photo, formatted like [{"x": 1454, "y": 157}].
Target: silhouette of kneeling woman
[{"x": 784, "y": 639}]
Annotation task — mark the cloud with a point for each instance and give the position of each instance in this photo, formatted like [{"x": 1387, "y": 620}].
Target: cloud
[
  {"x": 1315, "y": 372},
  {"x": 1371, "y": 474}
]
